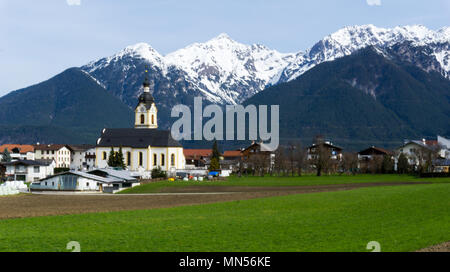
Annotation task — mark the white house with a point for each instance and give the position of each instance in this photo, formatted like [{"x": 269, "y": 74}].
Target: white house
[
  {"x": 18, "y": 152},
  {"x": 445, "y": 147},
  {"x": 29, "y": 171},
  {"x": 144, "y": 147},
  {"x": 61, "y": 154},
  {"x": 79, "y": 157}
]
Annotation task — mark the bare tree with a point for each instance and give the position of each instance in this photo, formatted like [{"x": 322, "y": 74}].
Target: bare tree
[
  {"x": 424, "y": 158},
  {"x": 349, "y": 163},
  {"x": 280, "y": 160},
  {"x": 300, "y": 158},
  {"x": 321, "y": 158}
]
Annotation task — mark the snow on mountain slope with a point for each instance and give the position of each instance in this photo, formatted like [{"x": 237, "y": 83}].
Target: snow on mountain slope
[
  {"x": 137, "y": 51},
  {"x": 350, "y": 39},
  {"x": 230, "y": 69},
  {"x": 224, "y": 71}
]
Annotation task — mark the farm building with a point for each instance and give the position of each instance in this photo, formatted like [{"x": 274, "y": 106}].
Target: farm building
[{"x": 84, "y": 182}]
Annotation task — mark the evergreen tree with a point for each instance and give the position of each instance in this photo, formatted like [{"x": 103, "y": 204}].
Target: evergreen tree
[
  {"x": 215, "y": 158},
  {"x": 402, "y": 164},
  {"x": 387, "y": 165},
  {"x": 112, "y": 158},
  {"x": 119, "y": 159},
  {"x": 214, "y": 165},
  {"x": 6, "y": 156}
]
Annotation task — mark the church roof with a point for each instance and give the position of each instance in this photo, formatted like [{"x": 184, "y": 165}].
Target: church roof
[{"x": 136, "y": 138}]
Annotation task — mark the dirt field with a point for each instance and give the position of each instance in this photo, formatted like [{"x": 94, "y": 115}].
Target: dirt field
[
  {"x": 444, "y": 247},
  {"x": 44, "y": 205}
]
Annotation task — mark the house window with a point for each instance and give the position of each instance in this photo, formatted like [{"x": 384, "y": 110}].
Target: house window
[
  {"x": 128, "y": 158},
  {"x": 87, "y": 184},
  {"x": 36, "y": 169},
  {"x": 104, "y": 155},
  {"x": 46, "y": 183},
  {"x": 141, "y": 159},
  {"x": 172, "y": 159},
  {"x": 142, "y": 119},
  {"x": 162, "y": 159}
]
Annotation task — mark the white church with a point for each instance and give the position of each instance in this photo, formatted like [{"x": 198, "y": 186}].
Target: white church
[{"x": 144, "y": 147}]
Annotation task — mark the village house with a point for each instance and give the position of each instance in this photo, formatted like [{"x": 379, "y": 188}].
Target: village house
[
  {"x": 28, "y": 170},
  {"x": 258, "y": 155},
  {"x": 441, "y": 166},
  {"x": 444, "y": 144},
  {"x": 197, "y": 158},
  {"x": 334, "y": 152},
  {"x": 367, "y": 156},
  {"x": 144, "y": 147},
  {"x": 18, "y": 152},
  {"x": 415, "y": 151},
  {"x": 232, "y": 159},
  {"x": 60, "y": 153},
  {"x": 79, "y": 157}
]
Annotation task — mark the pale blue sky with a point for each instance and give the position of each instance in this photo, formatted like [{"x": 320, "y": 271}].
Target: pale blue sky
[{"x": 41, "y": 38}]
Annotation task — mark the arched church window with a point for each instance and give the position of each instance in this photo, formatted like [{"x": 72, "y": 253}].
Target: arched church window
[
  {"x": 142, "y": 119},
  {"x": 153, "y": 119},
  {"x": 155, "y": 158},
  {"x": 128, "y": 158},
  {"x": 162, "y": 159},
  {"x": 141, "y": 159},
  {"x": 172, "y": 159},
  {"x": 104, "y": 155}
]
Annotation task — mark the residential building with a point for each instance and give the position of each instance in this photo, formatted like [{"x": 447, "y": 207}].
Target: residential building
[
  {"x": 372, "y": 154},
  {"x": 258, "y": 155},
  {"x": 61, "y": 154},
  {"x": 415, "y": 151},
  {"x": 441, "y": 166},
  {"x": 29, "y": 171},
  {"x": 79, "y": 157},
  {"x": 18, "y": 152},
  {"x": 328, "y": 147},
  {"x": 232, "y": 159},
  {"x": 197, "y": 158},
  {"x": 445, "y": 147}
]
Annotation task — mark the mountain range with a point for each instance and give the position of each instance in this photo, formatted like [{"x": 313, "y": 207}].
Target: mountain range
[
  {"x": 224, "y": 71},
  {"x": 227, "y": 72}
]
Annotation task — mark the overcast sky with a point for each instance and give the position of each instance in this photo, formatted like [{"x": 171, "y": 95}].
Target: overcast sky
[{"x": 41, "y": 38}]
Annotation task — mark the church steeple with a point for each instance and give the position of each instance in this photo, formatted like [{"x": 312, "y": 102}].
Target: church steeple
[{"x": 146, "y": 111}]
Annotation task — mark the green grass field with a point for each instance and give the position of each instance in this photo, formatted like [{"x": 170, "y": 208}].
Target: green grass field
[
  {"x": 400, "y": 218},
  {"x": 308, "y": 180}
]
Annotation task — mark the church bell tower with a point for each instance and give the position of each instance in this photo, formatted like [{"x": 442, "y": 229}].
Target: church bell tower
[{"x": 146, "y": 111}]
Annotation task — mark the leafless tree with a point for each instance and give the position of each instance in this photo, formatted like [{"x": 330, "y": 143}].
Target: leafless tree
[
  {"x": 300, "y": 158},
  {"x": 321, "y": 159},
  {"x": 349, "y": 162}
]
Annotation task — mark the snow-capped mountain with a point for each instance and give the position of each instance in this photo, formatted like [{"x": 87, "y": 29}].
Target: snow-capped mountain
[
  {"x": 229, "y": 69},
  {"x": 227, "y": 72},
  {"x": 221, "y": 69},
  {"x": 350, "y": 39}
]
